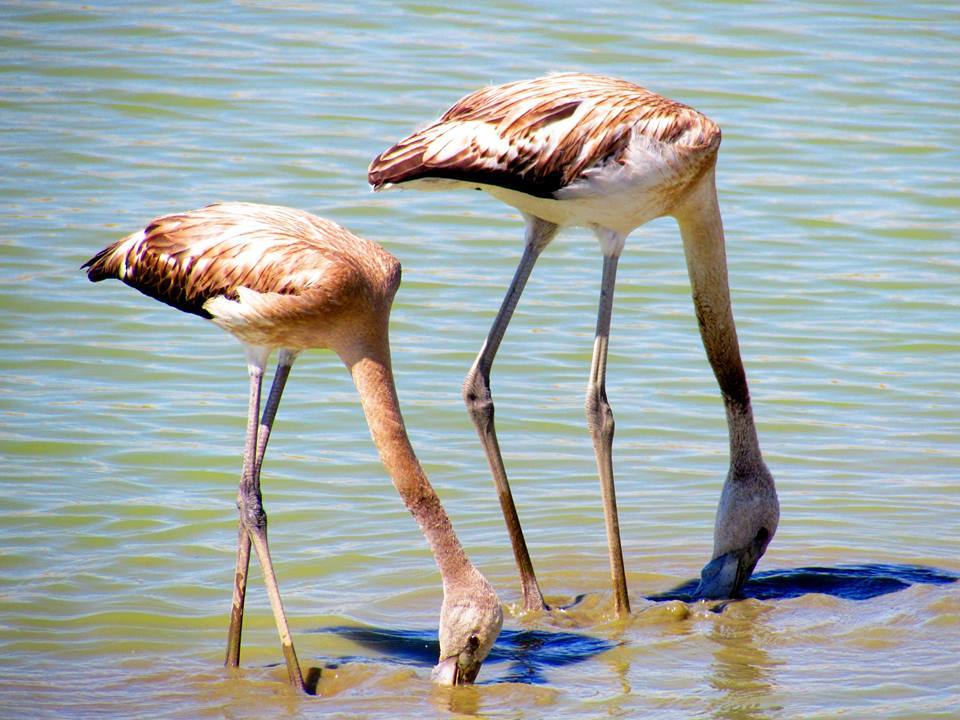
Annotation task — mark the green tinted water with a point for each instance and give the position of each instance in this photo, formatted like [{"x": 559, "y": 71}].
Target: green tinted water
[{"x": 122, "y": 420}]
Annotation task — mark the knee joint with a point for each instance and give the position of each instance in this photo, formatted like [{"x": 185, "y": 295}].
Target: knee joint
[
  {"x": 250, "y": 507},
  {"x": 477, "y": 397},
  {"x": 599, "y": 414}
]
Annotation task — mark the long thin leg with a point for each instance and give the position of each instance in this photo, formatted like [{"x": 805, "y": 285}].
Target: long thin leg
[
  {"x": 284, "y": 364},
  {"x": 601, "y": 424},
  {"x": 239, "y": 597},
  {"x": 242, "y": 566},
  {"x": 259, "y": 537},
  {"x": 254, "y": 520},
  {"x": 479, "y": 402}
]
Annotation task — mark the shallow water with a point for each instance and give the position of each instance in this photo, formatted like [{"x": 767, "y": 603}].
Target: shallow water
[{"x": 122, "y": 420}]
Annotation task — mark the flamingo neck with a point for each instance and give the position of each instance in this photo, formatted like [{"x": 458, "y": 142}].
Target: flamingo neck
[
  {"x": 373, "y": 377},
  {"x": 701, "y": 228}
]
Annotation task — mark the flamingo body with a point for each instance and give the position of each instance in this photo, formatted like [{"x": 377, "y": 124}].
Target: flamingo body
[
  {"x": 271, "y": 276},
  {"x": 580, "y": 149},
  {"x": 279, "y": 278},
  {"x": 571, "y": 149}
]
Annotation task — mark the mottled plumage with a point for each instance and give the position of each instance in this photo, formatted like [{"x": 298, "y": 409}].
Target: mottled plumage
[
  {"x": 579, "y": 149},
  {"x": 254, "y": 253},
  {"x": 279, "y": 278},
  {"x": 541, "y": 136}
]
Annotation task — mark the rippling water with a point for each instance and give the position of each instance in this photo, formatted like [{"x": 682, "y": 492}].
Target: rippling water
[{"x": 122, "y": 420}]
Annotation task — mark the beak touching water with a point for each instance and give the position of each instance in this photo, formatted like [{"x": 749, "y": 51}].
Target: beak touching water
[
  {"x": 460, "y": 669},
  {"x": 724, "y": 576}
]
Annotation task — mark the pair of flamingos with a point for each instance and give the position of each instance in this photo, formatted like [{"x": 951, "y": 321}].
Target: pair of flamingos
[{"x": 567, "y": 149}]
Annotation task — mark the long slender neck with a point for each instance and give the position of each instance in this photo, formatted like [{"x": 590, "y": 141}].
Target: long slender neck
[
  {"x": 373, "y": 377},
  {"x": 701, "y": 228}
]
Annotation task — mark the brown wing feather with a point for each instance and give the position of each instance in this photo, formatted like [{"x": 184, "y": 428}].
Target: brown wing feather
[
  {"x": 186, "y": 259},
  {"x": 541, "y": 135}
]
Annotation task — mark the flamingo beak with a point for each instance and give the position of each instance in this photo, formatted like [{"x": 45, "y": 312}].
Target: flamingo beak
[
  {"x": 459, "y": 669},
  {"x": 724, "y": 577}
]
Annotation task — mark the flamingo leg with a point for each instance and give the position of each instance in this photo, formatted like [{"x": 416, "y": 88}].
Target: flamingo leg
[
  {"x": 284, "y": 364},
  {"x": 239, "y": 597},
  {"x": 253, "y": 520},
  {"x": 479, "y": 402},
  {"x": 259, "y": 538},
  {"x": 601, "y": 424}
]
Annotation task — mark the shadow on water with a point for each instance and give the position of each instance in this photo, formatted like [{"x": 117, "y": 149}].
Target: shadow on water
[
  {"x": 529, "y": 652},
  {"x": 850, "y": 582}
]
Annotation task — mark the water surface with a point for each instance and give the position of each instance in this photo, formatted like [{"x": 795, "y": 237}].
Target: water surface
[{"x": 122, "y": 420}]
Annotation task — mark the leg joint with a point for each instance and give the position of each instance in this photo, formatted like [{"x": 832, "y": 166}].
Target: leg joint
[
  {"x": 477, "y": 398},
  {"x": 599, "y": 413},
  {"x": 250, "y": 507}
]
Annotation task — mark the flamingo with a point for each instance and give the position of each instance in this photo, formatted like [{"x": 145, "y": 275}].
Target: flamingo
[
  {"x": 275, "y": 277},
  {"x": 578, "y": 149}
]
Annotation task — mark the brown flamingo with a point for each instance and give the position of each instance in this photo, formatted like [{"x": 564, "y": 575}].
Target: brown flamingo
[
  {"x": 275, "y": 277},
  {"x": 577, "y": 149}
]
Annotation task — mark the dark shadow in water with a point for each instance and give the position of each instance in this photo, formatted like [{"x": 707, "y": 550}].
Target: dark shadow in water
[
  {"x": 529, "y": 652},
  {"x": 850, "y": 582}
]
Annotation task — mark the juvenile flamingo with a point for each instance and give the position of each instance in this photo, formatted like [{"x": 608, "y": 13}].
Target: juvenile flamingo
[
  {"x": 577, "y": 149},
  {"x": 276, "y": 277}
]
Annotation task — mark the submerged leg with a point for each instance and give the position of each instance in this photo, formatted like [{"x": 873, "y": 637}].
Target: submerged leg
[
  {"x": 239, "y": 597},
  {"x": 284, "y": 364},
  {"x": 253, "y": 520},
  {"x": 600, "y": 422},
  {"x": 479, "y": 402},
  {"x": 259, "y": 537}
]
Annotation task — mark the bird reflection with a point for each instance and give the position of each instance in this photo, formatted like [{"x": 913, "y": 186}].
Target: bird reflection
[{"x": 742, "y": 671}]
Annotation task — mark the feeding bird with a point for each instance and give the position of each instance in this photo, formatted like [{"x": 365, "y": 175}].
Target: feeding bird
[
  {"x": 284, "y": 279},
  {"x": 588, "y": 150}
]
